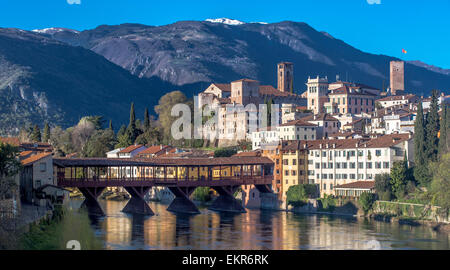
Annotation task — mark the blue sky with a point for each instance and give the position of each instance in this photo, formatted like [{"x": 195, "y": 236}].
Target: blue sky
[{"x": 420, "y": 27}]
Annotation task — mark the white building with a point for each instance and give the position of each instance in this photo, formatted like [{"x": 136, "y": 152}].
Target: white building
[
  {"x": 399, "y": 123},
  {"x": 397, "y": 100},
  {"x": 338, "y": 162},
  {"x": 326, "y": 124},
  {"x": 113, "y": 153},
  {"x": 297, "y": 130},
  {"x": 131, "y": 151},
  {"x": 264, "y": 137}
]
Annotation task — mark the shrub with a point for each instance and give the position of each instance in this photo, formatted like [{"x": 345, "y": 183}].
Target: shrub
[
  {"x": 366, "y": 201},
  {"x": 298, "y": 195},
  {"x": 328, "y": 203},
  {"x": 225, "y": 152}
]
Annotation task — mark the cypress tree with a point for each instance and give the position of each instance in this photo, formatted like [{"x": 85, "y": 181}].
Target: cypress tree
[
  {"x": 36, "y": 134},
  {"x": 146, "y": 120},
  {"x": 420, "y": 167},
  {"x": 432, "y": 128},
  {"x": 444, "y": 124},
  {"x": 46, "y": 135},
  {"x": 110, "y": 125},
  {"x": 131, "y": 130}
]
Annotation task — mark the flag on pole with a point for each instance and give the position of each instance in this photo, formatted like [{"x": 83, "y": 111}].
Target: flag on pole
[{"x": 403, "y": 51}]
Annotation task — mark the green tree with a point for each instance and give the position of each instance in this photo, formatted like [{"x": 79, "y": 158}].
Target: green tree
[
  {"x": 110, "y": 127},
  {"x": 366, "y": 201},
  {"x": 440, "y": 185},
  {"x": 146, "y": 120},
  {"x": 36, "y": 134},
  {"x": 202, "y": 194},
  {"x": 164, "y": 109},
  {"x": 420, "y": 161},
  {"x": 132, "y": 132},
  {"x": 225, "y": 152},
  {"x": 398, "y": 179},
  {"x": 46, "y": 135},
  {"x": 121, "y": 131},
  {"x": 9, "y": 166},
  {"x": 444, "y": 132},
  {"x": 298, "y": 195},
  {"x": 99, "y": 144},
  {"x": 432, "y": 127},
  {"x": 383, "y": 186}
]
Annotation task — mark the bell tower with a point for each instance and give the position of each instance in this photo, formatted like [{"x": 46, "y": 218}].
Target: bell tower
[{"x": 285, "y": 77}]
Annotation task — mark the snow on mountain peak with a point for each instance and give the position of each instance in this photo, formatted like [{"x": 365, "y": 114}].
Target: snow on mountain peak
[
  {"x": 54, "y": 30},
  {"x": 225, "y": 21}
]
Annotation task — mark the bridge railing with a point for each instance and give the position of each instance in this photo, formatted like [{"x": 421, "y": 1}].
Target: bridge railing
[{"x": 145, "y": 181}]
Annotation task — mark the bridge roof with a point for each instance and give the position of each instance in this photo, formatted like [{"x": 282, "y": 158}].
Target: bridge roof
[{"x": 104, "y": 162}]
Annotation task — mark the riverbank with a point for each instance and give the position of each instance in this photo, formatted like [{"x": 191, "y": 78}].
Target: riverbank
[
  {"x": 54, "y": 233},
  {"x": 390, "y": 212}
]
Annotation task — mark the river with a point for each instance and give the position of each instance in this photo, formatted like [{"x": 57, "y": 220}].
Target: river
[{"x": 256, "y": 229}]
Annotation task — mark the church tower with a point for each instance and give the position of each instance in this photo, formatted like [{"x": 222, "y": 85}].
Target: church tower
[
  {"x": 285, "y": 77},
  {"x": 317, "y": 91}
]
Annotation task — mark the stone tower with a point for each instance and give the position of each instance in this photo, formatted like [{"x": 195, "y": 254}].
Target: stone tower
[
  {"x": 285, "y": 77},
  {"x": 397, "y": 80},
  {"x": 317, "y": 91}
]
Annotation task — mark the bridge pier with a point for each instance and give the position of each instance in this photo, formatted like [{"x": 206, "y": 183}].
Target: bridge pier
[
  {"x": 226, "y": 201},
  {"x": 90, "y": 203},
  {"x": 182, "y": 203},
  {"x": 137, "y": 204}
]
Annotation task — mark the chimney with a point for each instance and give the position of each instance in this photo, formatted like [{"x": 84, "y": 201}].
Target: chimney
[
  {"x": 160, "y": 147},
  {"x": 320, "y": 146}
]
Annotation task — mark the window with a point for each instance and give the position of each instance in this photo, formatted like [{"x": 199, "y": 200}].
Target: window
[
  {"x": 330, "y": 165},
  {"x": 352, "y": 165},
  {"x": 386, "y": 165},
  {"x": 330, "y": 176},
  {"x": 294, "y": 162},
  {"x": 42, "y": 166},
  {"x": 377, "y": 165},
  {"x": 325, "y": 186},
  {"x": 360, "y": 165},
  {"x": 338, "y": 165},
  {"x": 377, "y": 153},
  {"x": 294, "y": 173},
  {"x": 369, "y": 165},
  {"x": 317, "y": 165},
  {"x": 352, "y": 176},
  {"x": 286, "y": 172},
  {"x": 38, "y": 183},
  {"x": 286, "y": 162},
  {"x": 344, "y": 165}
]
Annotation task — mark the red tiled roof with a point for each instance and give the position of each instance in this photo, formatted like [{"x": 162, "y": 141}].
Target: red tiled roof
[
  {"x": 399, "y": 97},
  {"x": 154, "y": 149},
  {"x": 299, "y": 122},
  {"x": 358, "y": 185},
  {"x": 346, "y": 90},
  {"x": 35, "y": 158},
  {"x": 64, "y": 162},
  {"x": 131, "y": 148},
  {"x": 225, "y": 87},
  {"x": 10, "y": 140},
  {"x": 248, "y": 154},
  {"x": 320, "y": 117},
  {"x": 269, "y": 90},
  {"x": 379, "y": 142}
]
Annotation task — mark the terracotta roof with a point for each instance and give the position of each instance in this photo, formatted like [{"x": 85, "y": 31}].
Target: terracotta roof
[
  {"x": 269, "y": 90},
  {"x": 299, "y": 122},
  {"x": 64, "y": 162},
  {"x": 10, "y": 140},
  {"x": 34, "y": 158},
  {"x": 320, "y": 117},
  {"x": 357, "y": 185},
  {"x": 131, "y": 148},
  {"x": 36, "y": 146},
  {"x": 348, "y": 90},
  {"x": 400, "y": 97},
  {"x": 25, "y": 153},
  {"x": 225, "y": 87},
  {"x": 155, "y": 149},
  {"x": 248, "y": 154},
  {"x": 355, "y": 85},
  {"x": 379, "y": 142}
]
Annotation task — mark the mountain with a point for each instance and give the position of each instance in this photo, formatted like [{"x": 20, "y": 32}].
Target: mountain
[
  {"x": 430, "y": 67},
  {"x": 223, "y": 50},
  {"x": 42, "y": 79}
]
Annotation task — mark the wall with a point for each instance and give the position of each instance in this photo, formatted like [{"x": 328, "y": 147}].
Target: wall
[{"x": 411, "y": 210}]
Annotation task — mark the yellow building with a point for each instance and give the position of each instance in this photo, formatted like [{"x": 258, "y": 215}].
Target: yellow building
[{"x": 295, "y": 166}]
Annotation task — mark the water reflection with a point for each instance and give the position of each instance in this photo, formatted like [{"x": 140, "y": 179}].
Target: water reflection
[{"x": 255, "y": 230}]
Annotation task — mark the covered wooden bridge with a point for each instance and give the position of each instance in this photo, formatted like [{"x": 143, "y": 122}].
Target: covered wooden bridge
[{"x": 181, "y": 175}]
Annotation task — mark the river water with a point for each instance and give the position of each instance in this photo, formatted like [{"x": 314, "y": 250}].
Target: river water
[{"x": 256, "y": 229}]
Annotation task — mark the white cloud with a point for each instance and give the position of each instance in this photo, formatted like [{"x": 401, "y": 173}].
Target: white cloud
[
  {"x": 72, "y": 2},
  {"x": 371, "y": 2}
]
